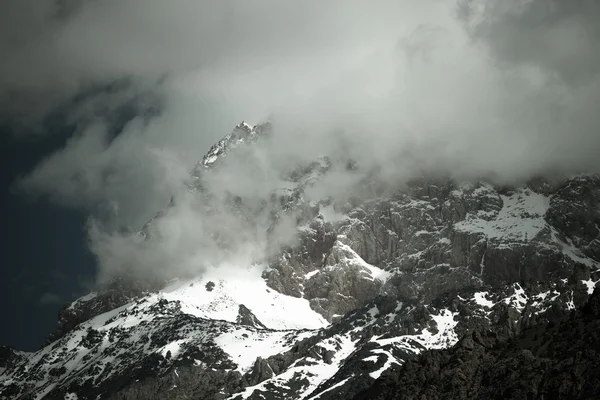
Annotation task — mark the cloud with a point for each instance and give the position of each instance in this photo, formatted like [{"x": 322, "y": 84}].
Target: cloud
[
  {"x": 557, "y": 36},
  {"x": 469, "y": 88}
]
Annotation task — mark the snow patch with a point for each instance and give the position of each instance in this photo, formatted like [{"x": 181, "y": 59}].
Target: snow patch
[
  {"x": 521, "y": 218},
  {"x": 341, "y": 383},
  {"x": 518, "y": 299},
  {"x": 388, "y": 363},
  {"x": 481, "y": 299},
  {"x": 590, "y": 285},
  {"x": 244, "y": 346},
  {"x": 444, "y": 338},
  {"x": 172, "y": 348},
  {"x": 83, "y": 299},
  {"x": 235, "y": 285},
  {"x": 352, "y": 258}
]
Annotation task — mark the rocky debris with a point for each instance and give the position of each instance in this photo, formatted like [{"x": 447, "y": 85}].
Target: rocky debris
[{"x": 210, "y": 286}]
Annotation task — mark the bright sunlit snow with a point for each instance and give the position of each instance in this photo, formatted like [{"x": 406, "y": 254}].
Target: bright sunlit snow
[
  {"x": 235, "y": 285},
  {"x": 521, "y": 218}
]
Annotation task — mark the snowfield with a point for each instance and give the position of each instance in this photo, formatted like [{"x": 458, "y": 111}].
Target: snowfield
[{"x": 235, "y": 285}]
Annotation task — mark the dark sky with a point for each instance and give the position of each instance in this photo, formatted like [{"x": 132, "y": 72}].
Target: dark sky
[{"x": 44, "y": 257}]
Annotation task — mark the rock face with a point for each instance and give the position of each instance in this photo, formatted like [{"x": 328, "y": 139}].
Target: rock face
[
  {"x": 431, "y": 289},
  {"x": 116, "y": 293},
  {"x": 558, "y": 359},
  {"x": 9, "y": 358}
]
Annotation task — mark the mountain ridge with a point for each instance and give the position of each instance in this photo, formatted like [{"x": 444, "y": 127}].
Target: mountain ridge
[{"x": 366, "y": 285}]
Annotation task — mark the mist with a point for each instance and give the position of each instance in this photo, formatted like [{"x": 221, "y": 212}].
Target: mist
[{"x": 471, "y": 88}]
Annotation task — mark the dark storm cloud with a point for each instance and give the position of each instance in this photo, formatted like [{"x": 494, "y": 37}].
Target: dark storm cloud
[
  {"x": 470, "y": 88},
  {"x": 558, "y": 36},
  {"x": 553, "y": 43}
]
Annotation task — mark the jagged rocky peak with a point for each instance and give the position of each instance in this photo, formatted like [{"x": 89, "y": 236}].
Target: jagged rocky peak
[
  {"x": 432, "y": 278},
  {"x": 242, "y": 133}
]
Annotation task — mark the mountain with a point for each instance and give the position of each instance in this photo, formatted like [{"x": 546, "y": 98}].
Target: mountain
[
  {"x": 552, "y": 360},
  {"x": 428, "y": 288}
]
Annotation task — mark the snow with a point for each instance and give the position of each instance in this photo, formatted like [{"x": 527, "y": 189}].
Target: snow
[
  {"x": 570, "y": 304},
  {"x": 481, "y": 299},
  {"x": 352, "y": 258},
  {"x": 235, "y": 285},
  {"x": 521, "y": 218},
  {"x": 311, "y": 274},
  {"x": 569, "y": 250},
  {"x": 590, "y": 285},
  {"x": 445, "y": 337},
  {"x": 323, "y": 371},
  {"x": 138, "y": 318},
  {"x": 388, "y": 363},
  {"x": 83, "y": 299},
  {"x": 542, "y": 296},
  {"x": 245, "y": 345},
  {"x": 314, "y": 374},
  {"x": 341, "y": 383},
  {"x": 518, "y": 299},
  {"x": 247, "y": 126},
  {"x": 210, "y": 160},
  {"x": 172, "y": 347}
]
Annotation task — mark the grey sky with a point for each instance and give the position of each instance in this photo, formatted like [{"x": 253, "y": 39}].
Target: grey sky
[{"x": 472, "y": 87}]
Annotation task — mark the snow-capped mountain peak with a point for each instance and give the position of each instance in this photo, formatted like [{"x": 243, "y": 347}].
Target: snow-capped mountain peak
[{"x": 367, "y": 287}]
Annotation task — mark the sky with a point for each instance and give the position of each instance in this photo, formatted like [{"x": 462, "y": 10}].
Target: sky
[
  {"x": 107, "y": 104},
  {"x": 44, "y": 255}
]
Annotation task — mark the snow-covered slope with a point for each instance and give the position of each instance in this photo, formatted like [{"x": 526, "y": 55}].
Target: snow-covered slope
[{"x": 220, "y": 292}]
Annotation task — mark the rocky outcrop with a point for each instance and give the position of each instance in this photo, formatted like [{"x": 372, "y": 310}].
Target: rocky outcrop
[
  {"x": 10, "y": 358},
  {"x": 118, "y": 292},
  {"x": 247, "y": 318},
  {"x": 574, "y": 212},
  {"x": 558, "y": 359},
  {"x": 287, "y": 271}
]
